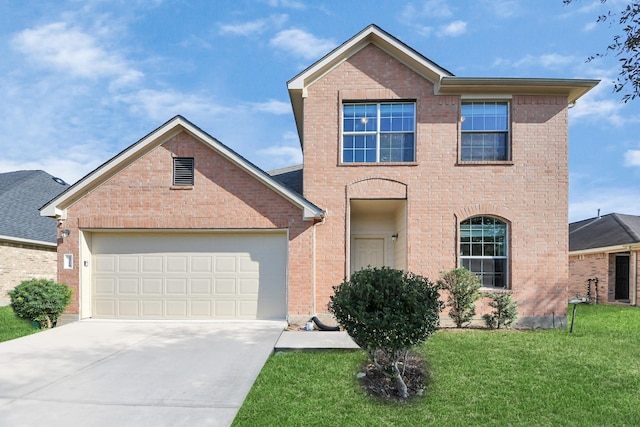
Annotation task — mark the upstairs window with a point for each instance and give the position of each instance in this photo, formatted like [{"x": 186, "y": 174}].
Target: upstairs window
[
  {"x": 183, "y": 171},
  {"x": 483, "y": 249},
  {"x": 378, "y": 132},
  {"x": 485, "y": 131}
]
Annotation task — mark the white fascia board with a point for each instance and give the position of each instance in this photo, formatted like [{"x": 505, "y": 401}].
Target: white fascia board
[
  {"x": 310, "y": 211},
  {"x": 20, "y": 240},
  {"x": 375, "y": 35},
  {"x": 606, "y": 249},
  {"x": 57, "y": 207}
]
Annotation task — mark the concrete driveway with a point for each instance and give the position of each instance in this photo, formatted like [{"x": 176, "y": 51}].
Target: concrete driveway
[{"x": 114, "y": 373}]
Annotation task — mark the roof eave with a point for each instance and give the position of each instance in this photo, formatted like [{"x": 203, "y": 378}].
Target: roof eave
[
  {"x": 372, "y": 34},
  {"x": 573, "y": 89},
  {"x": 57, "y": 207},
  {"x": 606, "y": 249}
]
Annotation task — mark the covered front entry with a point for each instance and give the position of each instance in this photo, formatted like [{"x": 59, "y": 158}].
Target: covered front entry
[
  {"x": 178, "y": 275},
  {"x": 378, "y": 234}
]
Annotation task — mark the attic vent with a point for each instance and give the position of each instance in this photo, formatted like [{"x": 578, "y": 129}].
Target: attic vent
[{"x": 183, "y": 171}]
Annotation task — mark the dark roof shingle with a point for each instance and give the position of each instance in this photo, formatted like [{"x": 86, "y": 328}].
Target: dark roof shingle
[
  {"x": 22, "y": 194},
  {"x": 600, "y": 232}
]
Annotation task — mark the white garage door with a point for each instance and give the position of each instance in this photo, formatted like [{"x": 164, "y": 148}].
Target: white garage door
[{"x": 189, "y": 276}]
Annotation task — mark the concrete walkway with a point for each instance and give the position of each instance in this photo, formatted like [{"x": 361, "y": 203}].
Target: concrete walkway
[
  {"x": 314, "y": 340},
  {"x": 101, "y": 373}
]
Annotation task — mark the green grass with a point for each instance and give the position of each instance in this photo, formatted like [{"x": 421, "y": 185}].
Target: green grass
[
  {"x": 12, "y": 326},
  {"x": 477, "y": 377}
]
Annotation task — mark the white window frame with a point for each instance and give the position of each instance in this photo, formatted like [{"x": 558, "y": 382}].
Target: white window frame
[
  {"x": 508, "y": 141},
  {"x": 377, "y": 132},
  {"x": 484, "y": 257}
]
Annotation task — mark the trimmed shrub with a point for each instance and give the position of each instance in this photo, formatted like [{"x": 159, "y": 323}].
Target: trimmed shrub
[
  {"x": 462, "y": 286},
  {"x": 386, "y": 312},
  {"x": 505, "y": 313},
  {"x": 40, "y": 300}
]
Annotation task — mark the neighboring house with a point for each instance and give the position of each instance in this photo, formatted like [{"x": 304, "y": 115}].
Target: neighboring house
[
  {"x": 405, "y": 166},
  {"x": 27, "y": 240},
  {"x": 605, "y": 248}
]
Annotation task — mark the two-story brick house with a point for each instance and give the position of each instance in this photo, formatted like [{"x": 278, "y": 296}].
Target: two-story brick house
[{"x": 405, "y": 165}]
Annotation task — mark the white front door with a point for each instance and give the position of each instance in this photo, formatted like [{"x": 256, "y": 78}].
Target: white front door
[{"x": 369, "y": 252}]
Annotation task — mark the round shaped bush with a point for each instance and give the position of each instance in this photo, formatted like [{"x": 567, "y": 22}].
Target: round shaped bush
[
  {"x": 386, "y": 312},
  {"x": 40, "y": 300}
]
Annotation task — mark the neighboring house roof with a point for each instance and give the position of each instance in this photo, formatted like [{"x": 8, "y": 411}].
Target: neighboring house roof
[
  {"x": 444, "y": 81},
  {"x": 606, "y": 232},
  {"x": 57, "y": 206},
  {"x": 22, "y": 193},
  {"x": 290, "y": 176}
]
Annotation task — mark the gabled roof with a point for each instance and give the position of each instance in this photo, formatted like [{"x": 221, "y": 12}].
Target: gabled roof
[
  {"x": 57, "y": 206},
  {"x": 604, "y": 232},
  {"x": 444, "y": 81},
  {"x": 21, "y": 195},
  {"x": 372, "y": 34}
]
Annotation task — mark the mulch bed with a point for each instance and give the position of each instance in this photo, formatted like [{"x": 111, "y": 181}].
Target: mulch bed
[{"x": 378, "y": 385}]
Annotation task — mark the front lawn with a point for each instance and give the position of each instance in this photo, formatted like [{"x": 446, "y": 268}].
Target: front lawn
[
  {"x": 11, "y": 326},
  {"x": 477, "y": 377}
]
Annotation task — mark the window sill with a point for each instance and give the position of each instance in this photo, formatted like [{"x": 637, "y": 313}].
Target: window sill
[
  {"x": 181, "y": 187},
  {"x": 360, "y": 164},
  {"x": 485, "y": 163},
  {"x": 488, "y": 289}
]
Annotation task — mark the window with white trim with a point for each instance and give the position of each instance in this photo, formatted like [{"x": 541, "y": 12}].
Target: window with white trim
[
  {"x": 183, "y": 171},
  {"x": 485, "y": 131},
  {"x": 483, "y": 249},
  {"x": 378, "y": 132}
]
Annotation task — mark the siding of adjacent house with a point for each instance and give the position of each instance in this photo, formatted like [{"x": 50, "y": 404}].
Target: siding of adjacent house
[
  {"x": 530, "y": 194},
  {"x": 24, "y": 262}
]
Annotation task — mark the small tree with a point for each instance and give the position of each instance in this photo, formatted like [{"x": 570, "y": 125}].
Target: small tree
[
  {"x": 462, "y": 286},
  {"x": 40, "y": 300},
  {"x": 386, "y": 312},
  {"x": 505, "y": 313}
]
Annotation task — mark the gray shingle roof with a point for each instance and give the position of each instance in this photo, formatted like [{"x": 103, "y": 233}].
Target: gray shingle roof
[
  {"x": 608, "y": 230},
  {"x": 290, "y": 176},
  {"x": 22, "y": 194}
]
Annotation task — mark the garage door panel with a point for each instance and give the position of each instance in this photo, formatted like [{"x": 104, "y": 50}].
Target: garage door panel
[
  {"x": 225, "y": 286},
  {"x": 176, "y": 286},
  {"x": 128, "y": 286},
  {"x": 128, "y": 308},
  {"x": 208, "y": 275},
  {"x": 152, "y": 286},
  {"x": 105, "y": 286},
  {"x": 177, "y": 309},
  {"x": 152, "y": 264},
  {"x": 225, "y": 264},
  {"x": 201, "y": 286}
]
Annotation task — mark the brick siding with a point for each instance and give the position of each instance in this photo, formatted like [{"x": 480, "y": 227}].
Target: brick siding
[
  {"x": 530, "y": 194},
  {"x": 23, "y": 262}
]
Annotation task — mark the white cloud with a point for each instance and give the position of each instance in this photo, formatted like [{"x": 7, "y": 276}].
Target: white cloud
[
  {"x": 453, "y": 29},
  {"x": 258, "y": 26},
  {"x": 617, "y": 199},
  {"x": 504, "y": 9},
  {"x": 162, "y": 105},
  {"x": 75, "y": 52},
  {"x": 632, "y": 158},
  {"x": 273, "y": 106},
  {"x": 598, "y": 104},
  {"x": 292, "y": 4},
  {"x": 426, "y": 9},
  {"x": 549, "y": 60},
  {"x": 301, "y": 43}
]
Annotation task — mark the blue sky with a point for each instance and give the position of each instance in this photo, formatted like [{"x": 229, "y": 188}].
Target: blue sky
[{"x": 82, "y": 80}]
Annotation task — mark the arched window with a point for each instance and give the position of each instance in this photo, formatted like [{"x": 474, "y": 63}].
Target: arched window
[{"x": 483, "y": 249}]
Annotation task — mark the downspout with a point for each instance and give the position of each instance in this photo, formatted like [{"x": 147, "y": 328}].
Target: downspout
[{"x": 314, "y": 262}]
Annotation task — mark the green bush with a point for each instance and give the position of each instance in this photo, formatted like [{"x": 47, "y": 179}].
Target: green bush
[
  {"x": 462, "y": 286},
  {"x": 40, "y": 300},
  {"x": 386, "y": 312},
  {"x": 505, "y": 311}
]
